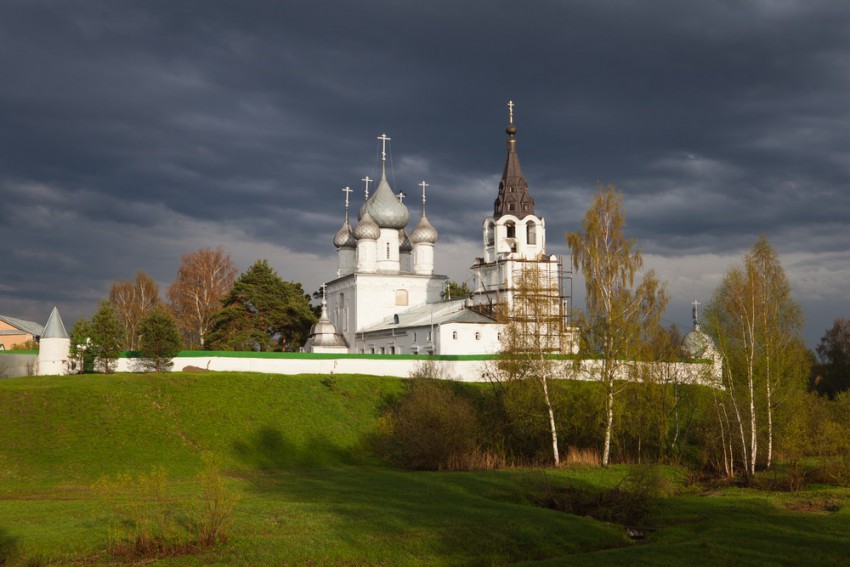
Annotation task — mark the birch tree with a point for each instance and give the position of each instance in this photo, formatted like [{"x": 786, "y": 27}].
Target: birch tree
[
  {"x": 618, "y": 315},
  {"x": 532, "y": 335},
  {"x": 204, "y": 279},
  {"x": 757, "y": 327}
]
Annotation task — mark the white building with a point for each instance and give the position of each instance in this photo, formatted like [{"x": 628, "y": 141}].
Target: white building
[{"x": 386, "y": 298}]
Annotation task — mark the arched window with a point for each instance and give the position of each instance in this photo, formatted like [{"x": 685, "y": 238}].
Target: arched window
[
  {"x": 477, "y": 336},
  {"x": 511, "y": 228},
  {"x": 531, "y": 233},
  {"x": 454, "y": 335},
  {"x": 401, "y": 297},
  {"x": 491, "y": 230},
  {"x": 341, "y": 300},
  {"x": 388, "y": 250}
]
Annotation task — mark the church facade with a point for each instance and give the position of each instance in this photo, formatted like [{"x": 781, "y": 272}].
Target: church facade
[{"x": 386, "y": 298}]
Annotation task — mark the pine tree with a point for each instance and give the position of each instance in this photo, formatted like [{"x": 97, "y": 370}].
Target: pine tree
[
  {"x": 262, "y": 312},
  {"x": 107, "y": 336},
  {"x": 159, "y": 340}
]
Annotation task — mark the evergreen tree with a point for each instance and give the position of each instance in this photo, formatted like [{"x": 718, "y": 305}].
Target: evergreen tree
[
  {"x": 107, "y": 336},
  {"x": 81, "y": 352},
  {"x": 262, "y": 312},
  {"x": 159, "y": 340}
]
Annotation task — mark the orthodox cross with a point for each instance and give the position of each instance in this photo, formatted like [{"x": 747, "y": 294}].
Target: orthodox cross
[
  {"x": 423, "y": 185},
  {"x": 511, "y": 111},
  {"x": 384, "y": 140},
  {"x": 347, "y": 190},
  {"x": 367, "y": 180},
  {"x": 401, "y": 197},
  {"x": 324, "y": 289}
]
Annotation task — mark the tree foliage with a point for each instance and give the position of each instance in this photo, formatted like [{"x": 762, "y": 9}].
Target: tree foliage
[
  {"x": 833, "y": 372},
  {"x": 455, "y": 290},
  {"x": 132, "y": 300},
  {"x": 619, "y": 318},
  {"x": 81, "y": 353},
  {"x": 203, "y": 280},
  {"x": 757, "y": 327},
  {"x": 532, "y": 334},
  {"x": 159, "y": 339},
  {"x": 262, "y": 312},
  {"x": 107, "y": 336}
]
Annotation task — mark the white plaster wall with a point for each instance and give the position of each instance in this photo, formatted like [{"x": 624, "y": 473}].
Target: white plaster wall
[
  {"x": 461, "y": 370},
  {"x": 53, "y": 357}
]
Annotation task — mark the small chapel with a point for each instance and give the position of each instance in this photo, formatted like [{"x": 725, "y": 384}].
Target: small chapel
[{"x": 386, "y": 298}]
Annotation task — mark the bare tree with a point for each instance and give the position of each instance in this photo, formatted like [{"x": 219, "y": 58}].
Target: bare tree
[
  {"x": 618, "y": 317},
  {"x": 132, "y": 300},
  {"x": 204, "y": 279}
]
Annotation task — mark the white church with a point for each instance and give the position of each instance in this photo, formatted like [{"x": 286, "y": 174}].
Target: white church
[{"x": 386, "y": 298}]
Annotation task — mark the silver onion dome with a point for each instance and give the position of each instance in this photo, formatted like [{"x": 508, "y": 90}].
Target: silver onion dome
[
  {"x": 386, "y": 210},
  {"x": 424, "y": 232},
  {"x": 344, "y": 237},
  {"x": 367, "y": 229}
]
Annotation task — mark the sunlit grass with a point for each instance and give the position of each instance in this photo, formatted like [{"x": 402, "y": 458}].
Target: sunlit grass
[{"x": 295, "y": 453}]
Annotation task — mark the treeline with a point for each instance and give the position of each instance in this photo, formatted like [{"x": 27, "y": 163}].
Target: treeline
[
  {"x": 763, "y": 408},
  {"x": 208, "y": 307}
]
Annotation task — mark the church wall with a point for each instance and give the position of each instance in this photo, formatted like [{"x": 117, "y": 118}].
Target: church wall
[{"x": 461, "y": 368}]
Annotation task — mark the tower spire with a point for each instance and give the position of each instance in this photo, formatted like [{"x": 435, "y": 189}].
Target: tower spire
[{"x": 513, "y": 198}]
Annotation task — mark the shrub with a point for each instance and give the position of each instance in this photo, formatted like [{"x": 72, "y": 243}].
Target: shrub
[{"x": 432, "y": 427}]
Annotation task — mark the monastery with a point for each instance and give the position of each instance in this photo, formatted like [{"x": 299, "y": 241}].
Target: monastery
[{"x": 386, "y": 298}]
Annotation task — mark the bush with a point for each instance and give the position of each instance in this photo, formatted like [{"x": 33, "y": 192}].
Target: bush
[{"x": 432, "y": 427}]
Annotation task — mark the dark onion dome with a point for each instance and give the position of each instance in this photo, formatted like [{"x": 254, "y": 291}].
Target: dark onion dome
[
  {"x": 367, "y": 229},
  {"x": 344, "y": 238},
  {"x": 406, "y": 245},
  {"x": 386, "y": 210},
  {"x": 424, "y": 232}
]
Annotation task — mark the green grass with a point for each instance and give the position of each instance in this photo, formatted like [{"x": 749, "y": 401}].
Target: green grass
[{"x": 295, "y": 451}]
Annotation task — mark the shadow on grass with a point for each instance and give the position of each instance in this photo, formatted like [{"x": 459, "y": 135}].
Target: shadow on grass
[
  {"x": 268, "y": 449},
  {"x": 8, "y": 546},
  {"x": 376, "y": 514}
]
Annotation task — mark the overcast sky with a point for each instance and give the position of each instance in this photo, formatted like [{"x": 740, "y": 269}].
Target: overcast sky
[{"x": 133, "y": 132}]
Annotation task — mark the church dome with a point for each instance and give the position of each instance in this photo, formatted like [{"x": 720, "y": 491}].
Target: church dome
[
  {"x": 698, "y": 344},
  {"x": 324, "y": 332},
  {"x": 424, "y": 232},
  {"x": 406, "y": 245},
  {"x": 344, "y": 238},
  {"x": 386, "y": 210},
  {"x": 366, "y": 229}
]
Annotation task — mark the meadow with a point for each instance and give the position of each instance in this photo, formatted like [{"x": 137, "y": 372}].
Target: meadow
[{"x": 84, "y": 457}]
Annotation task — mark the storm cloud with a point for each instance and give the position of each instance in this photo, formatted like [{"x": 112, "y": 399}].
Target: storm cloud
[{"x": 133, "y": 132}]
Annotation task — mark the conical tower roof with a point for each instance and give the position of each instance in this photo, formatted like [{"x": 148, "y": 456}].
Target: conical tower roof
[
  {"x": 55, "y": 328},
  {"x": 513, "y": 198}
]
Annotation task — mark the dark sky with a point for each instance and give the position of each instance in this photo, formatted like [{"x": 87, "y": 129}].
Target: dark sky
[{"x": 133, "y": 132}]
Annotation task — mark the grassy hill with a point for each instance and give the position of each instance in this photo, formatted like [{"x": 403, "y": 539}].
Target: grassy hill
[{"x": 295, "y": 454}]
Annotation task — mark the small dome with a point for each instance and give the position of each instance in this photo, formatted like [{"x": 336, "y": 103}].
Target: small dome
[
  {"x": 386, "y": 210},
  {"x": 344, "y": 238},
  {"x": 366, "y": 229},
  {"x": 324, "y": 333},
  {"x": 698, "y": 344},
  {"x": 424, "y": 232},
  {"x": 406, "y": 245}
]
